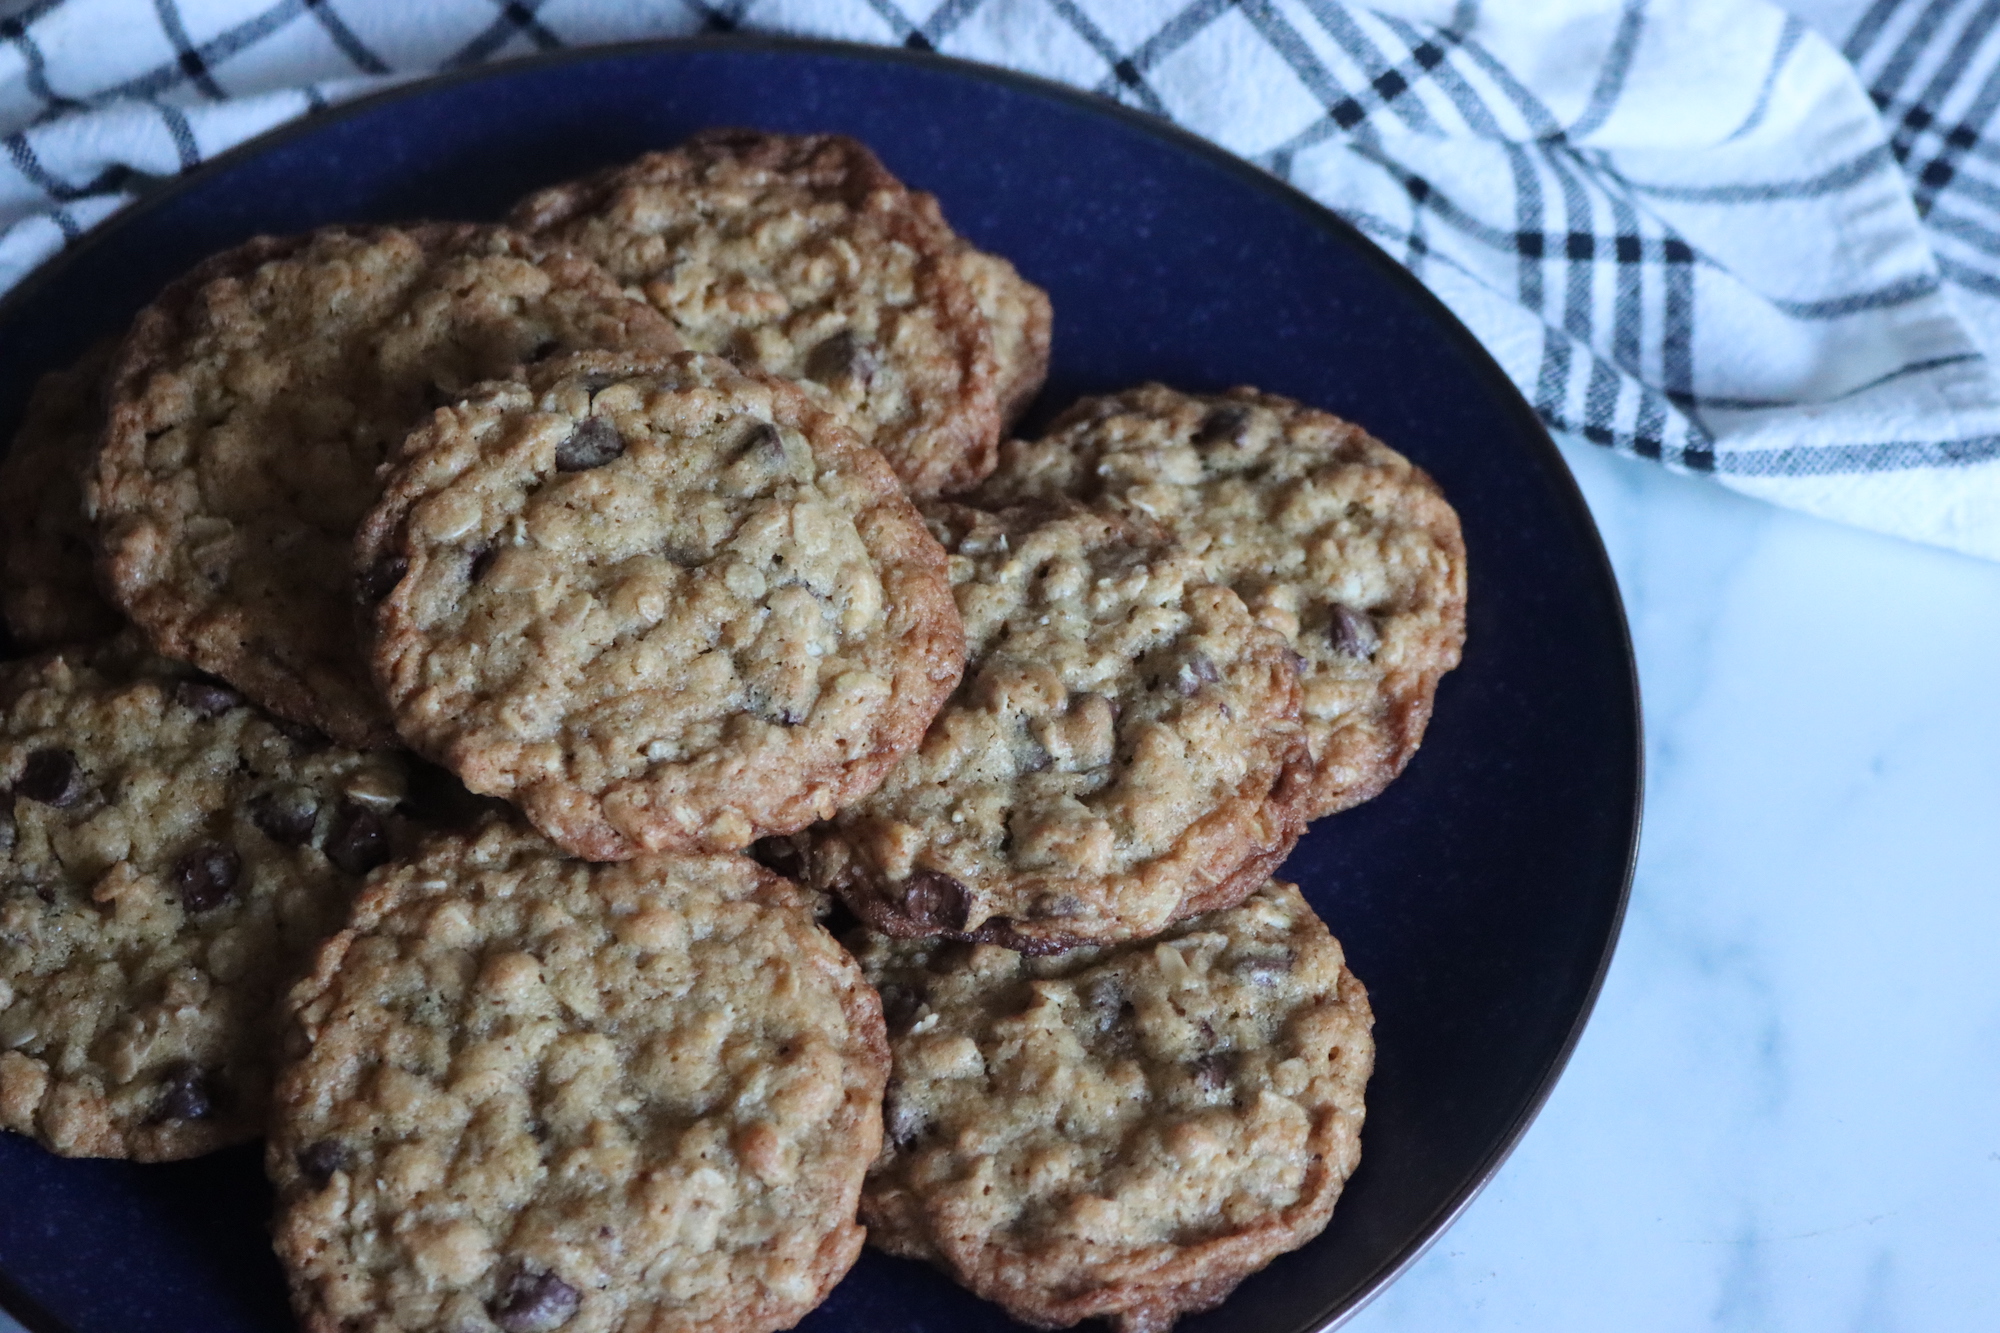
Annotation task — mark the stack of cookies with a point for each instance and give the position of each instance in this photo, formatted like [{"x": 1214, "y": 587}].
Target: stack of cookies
[{"x": 481, "y": 665}]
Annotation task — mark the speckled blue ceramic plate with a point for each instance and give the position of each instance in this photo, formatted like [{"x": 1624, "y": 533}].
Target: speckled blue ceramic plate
[{"x": 1478, "y": 898}]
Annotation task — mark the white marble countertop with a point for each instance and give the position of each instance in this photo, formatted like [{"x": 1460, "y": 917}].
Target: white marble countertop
[{"x": 1785, "y": 1113}]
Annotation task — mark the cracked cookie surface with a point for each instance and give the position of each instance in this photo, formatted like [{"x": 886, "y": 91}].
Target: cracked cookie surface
[
  {"x": 659, "y": 606},
  {"x": 48, "y": 590},
  {"x": 1123, "y": 1132},
  {"x": 1123, "y": 750},
  {"x": 1331, "y": 538},
  {"x": 254, "y": 400},
  {"x": 168, "y": 857},
  {"x": 532, "y": 1093},
  {"x": 803, "y": 256}
]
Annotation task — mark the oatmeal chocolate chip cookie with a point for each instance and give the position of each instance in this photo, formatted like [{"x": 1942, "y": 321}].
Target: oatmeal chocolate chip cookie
[
  {"x": 1020, "y": 318},
  {"x": 802, "y": 256},
  {"x": 539, "y": 1094},
  {"x": 1122, "y": 1132},
  {"x": 252, "y": 404},
  {"x": 1330, "y": 537},
  {"x": 168, "y": 857},
  {"x": 48, "y": 591},
  {"x": 1124, "y": 749},
  {"x": 660, "y": 606}
]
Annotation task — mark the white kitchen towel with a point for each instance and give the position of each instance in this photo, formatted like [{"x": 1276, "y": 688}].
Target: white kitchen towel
[{"x": 1759, "y": 244}]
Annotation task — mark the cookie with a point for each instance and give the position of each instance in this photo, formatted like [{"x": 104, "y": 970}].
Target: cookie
[
  {"x": 532, "y": 1093},
  {"x": 1020, "y": 318},
  {"x": 659, "y": 606},
  {"x": 48, "y": 591},
  {"x": 802, "y": 256},
  {"x": 169, "y": 855},
  {"x": 1331, "y": 538},
  {"x": 1124, "y": 1132},
  {"x": 1124, "y": 749},
  {"x": 252, "y": 404}
]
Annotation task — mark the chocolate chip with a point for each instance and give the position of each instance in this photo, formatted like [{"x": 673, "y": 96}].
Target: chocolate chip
[
  {"x": 593, "y": 443},
  {"x": 1194, "y": 673},
  {"x": 204, "y": 876},
  {"x": 1352, "y": 633},
  {"x": 1265, "y": 969},
  {"x": 206, "y": 697},
  {"x": 1296, "y": 660},
  {"x": 846, "y": 355},
  {"x": 319, "y": 1161},
  {"x": 1035, "y": 757},
  {"x": 1224, "y": 425},
  {"x": 534, "y": 1303},
  {"x": 184, "y": 1094},
  {"x": 52, "y": 777},
  {"x": 381, "y": 579},
  {"x": 934, "y": 899},
  {"x": 478, "y": 560},
  {"x": 544, "y": 349},
  {"x": 359, "y": 840},
  {"x": 900, "y": 1005},
  {"x": 762, "y": 444},
  {"x": 1211, "y": 1071},
  {"x": 285, "y": 817}
]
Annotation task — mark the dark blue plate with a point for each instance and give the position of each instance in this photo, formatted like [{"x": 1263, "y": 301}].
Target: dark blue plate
[{"x": 1478, "y": 898}]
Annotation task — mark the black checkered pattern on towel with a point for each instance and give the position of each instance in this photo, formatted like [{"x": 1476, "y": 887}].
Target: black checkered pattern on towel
[{"x": 1614, "y": 292}]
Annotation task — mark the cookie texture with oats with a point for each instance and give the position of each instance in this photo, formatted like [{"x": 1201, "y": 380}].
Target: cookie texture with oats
[
  {"x": 169, "y": 855},
  {"x": 660, "y": 606},
  {"x": 1330, "y": 537},
  {"x": 254, "y": 400},
  {"x": 533, "y": 1093},
  {"x": 1120, "y": 1132},
  {"x": 1021, "y": 320},
  {"x": 48, "y": 590},
  {"x": 803, "y": 256},
  {"x": 1124, "y": 748}
]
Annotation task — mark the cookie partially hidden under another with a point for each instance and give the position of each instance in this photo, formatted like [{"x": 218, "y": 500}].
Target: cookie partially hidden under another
[
  {"x": 1124, "y": 750},
  {"x": 534, "y": 1094},
  {"x": 660, "y": 605},
  {"x": 251, "y": 405},
  {"x": 803, "y": 256},
  {"x": 48, "y": 585},
  {"x": 169, "y": 856},
  {"x": 1121, "y": 1133}
]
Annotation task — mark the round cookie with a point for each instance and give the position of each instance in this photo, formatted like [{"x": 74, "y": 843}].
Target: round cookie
[
  {"x": 1123, "y": 1132},
  {"x": 802, "y": 256},
  {"x": 535, "y": 1093},
  {"x": 252, "y": 404},
  {"x": 1331, "y": 538},
  {"x": 48, "y": 590},
  {"x": 168, "y": 857},
  {"x": 659, "y": 606},
  {"x": 1124, "y": 749}
]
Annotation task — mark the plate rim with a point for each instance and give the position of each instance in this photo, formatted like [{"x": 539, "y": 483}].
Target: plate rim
[{"x": 16, "y": 1303}]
